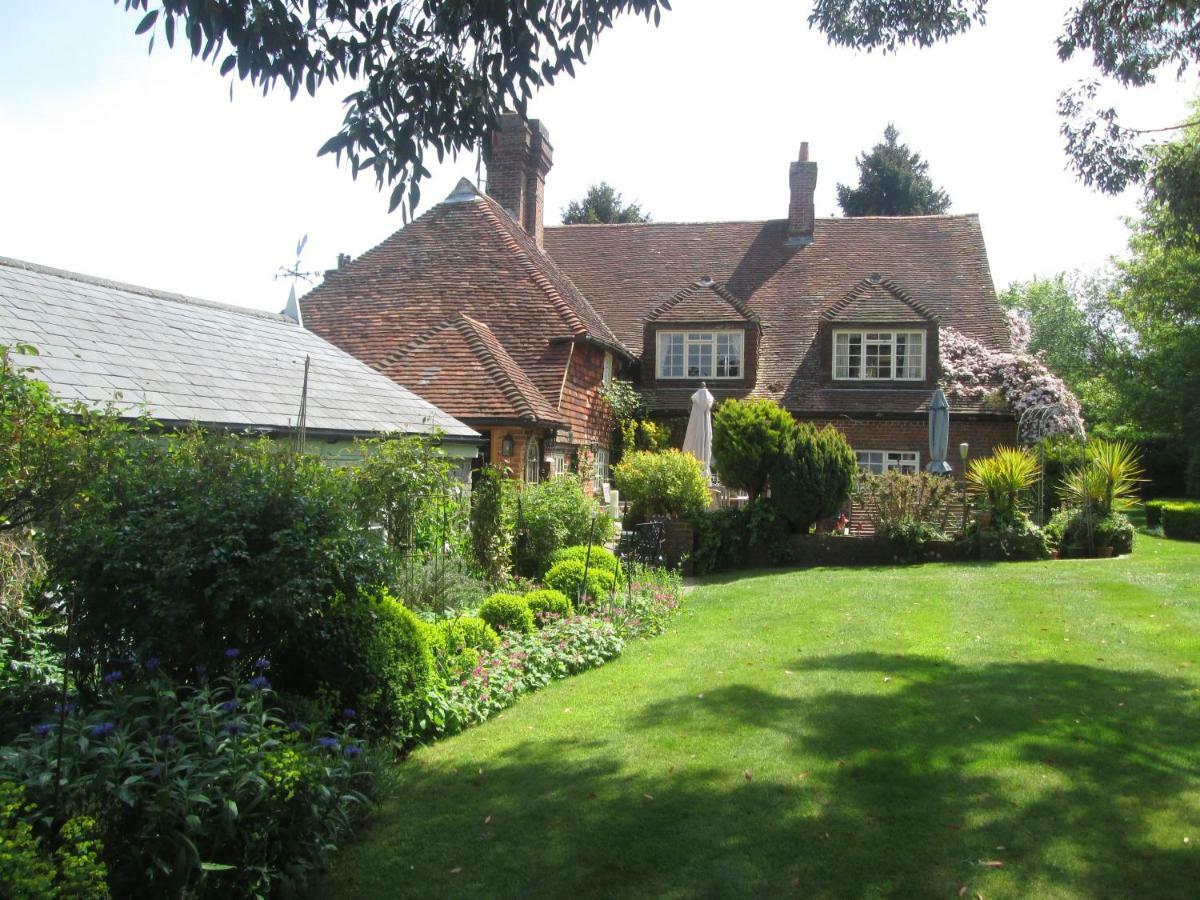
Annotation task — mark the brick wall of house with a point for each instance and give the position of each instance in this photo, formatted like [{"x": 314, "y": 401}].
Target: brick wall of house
[
  {"x": 983, "y": 435},
  {"x": 587, "y": 415}
]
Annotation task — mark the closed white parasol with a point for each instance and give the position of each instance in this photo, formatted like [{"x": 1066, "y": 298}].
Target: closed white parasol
[{"x": 698, "y": 439}]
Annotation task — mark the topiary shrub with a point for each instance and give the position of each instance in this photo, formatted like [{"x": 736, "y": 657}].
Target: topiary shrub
[
  {"x": 750, "y": 438},
  {"x": 567, "y": 577},
  {"x": 549, "y": 604},
  {"x": 468, "y": 631},
  {"x": 368, "y": 653},
  {"x": 600, "y": 558},
  {"x": 814, "y": 478},
  {"x": 457, "y": 643},
  {"x": 551, "y": 515},
  {"x": 1181, "y": 521},
  {"x": 671, "y": 483},
  {"x": 507, "y": 612}
]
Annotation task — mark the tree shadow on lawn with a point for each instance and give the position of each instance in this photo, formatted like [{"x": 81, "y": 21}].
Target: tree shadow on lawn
[{"x": 907, "y": 790}]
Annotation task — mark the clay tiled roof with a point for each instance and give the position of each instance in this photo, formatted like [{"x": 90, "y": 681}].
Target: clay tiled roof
[
  {"x": 934, "y": 264},
  {"x": 702, "y": 301},
  {"x": 463, "y": 366},
  {"x": 876, "y": 299},
  {"x": 465, "y": 256}
]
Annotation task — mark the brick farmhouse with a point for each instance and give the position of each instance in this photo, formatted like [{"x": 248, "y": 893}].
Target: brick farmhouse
[{"x": 513, "y": 327}]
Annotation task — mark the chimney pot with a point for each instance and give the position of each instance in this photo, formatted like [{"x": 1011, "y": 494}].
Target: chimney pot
[
  {"x": 518, "y": 156},
  {"x": 802, "y": 179}
]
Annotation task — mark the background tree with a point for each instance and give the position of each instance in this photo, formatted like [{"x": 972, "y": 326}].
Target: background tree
[
  {"x": 428, "y": 74},
  {"x": 1078, "y": 330},
  {"x": 602, "y": 206},
  {"x": 892, "y": 181},
  {"x": 1131, "y": 42}
]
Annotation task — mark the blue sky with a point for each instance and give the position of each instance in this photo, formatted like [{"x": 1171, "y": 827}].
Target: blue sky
[{"x": 139, "y": 167}]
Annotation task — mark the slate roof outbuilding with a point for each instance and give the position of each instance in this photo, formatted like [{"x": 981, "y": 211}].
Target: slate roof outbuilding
[{"x": 183, "y": 360}]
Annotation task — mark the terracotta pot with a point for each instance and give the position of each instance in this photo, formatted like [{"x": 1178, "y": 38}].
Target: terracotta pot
[
  {"x": 1106, "y": 552},
  {"x": 985, "y": 520}
]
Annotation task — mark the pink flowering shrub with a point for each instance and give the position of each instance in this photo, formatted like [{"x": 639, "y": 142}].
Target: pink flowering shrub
[
  {"x": 1019, "y": 381},
  {"x": 1019, "y": 331}
]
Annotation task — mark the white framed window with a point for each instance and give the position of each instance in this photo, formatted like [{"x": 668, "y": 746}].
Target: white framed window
[
  {"x": 608, "y": 368},
  {"x": 878, "y": 355},
  {"x": 533, "y": 462},
  {"x": 700, "y": 354},
  {"x": 600, "y": 476},
  {"x": 879, "y": 461},
  {"x": 558, "y": 463}
]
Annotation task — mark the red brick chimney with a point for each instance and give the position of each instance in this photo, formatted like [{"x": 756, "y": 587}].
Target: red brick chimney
[
  {"x": 802, "y": 177},
  {"x": 518, "y": 156}
]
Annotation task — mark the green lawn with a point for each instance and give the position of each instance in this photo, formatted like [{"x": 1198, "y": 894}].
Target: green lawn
[{"x": 1020, "y": 730}]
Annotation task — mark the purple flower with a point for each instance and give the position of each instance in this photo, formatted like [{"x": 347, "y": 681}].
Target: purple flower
[
  {"x": 353, "y": 750},
  {"x": 154, "y": 771},
  {"x": 201, "y": 669},
  {"x": 233, "y": 653},
  {"x": 103, "y": 729},
  {"x": 166, "y": 740},
  {"x": 228, "y": 706},
  {"x": 328, "y": 743},
  {"x": 295, "y": 725},
  {"x": 113, "y": 677},
  {"x": 44, "y": 729},
  {"x": 151, "y": 665},
  {"x": 259, "y": 682},
  {"x": 348, "y": 713},
  {"x": 232, "y": 728},
  {"x": 262, "y": 663},
  {"x": 67, "y": 708}
]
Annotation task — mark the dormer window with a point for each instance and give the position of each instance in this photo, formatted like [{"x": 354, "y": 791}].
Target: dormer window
[
  {"x": 700, "y": 354},
  {"x": 878, "y": 355}
]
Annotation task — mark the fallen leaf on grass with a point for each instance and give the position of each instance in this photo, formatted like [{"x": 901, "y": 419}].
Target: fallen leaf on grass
[
  {"x": 747, "y": 775},
  {"x": 671, "y": 770},
  {"x": 992, "y": 864},
  {"x": 962, "y": 890},
  {"x": 487, "y": 821},
  {"x": 456, "y": 870},
  {"x": 648, "y": 796},
  {"x": 801, "y": 775}
]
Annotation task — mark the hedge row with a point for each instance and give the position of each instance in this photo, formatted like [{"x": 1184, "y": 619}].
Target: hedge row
[{"x": 1179, "y": 519}]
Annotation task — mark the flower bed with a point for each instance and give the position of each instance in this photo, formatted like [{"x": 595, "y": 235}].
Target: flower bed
[{"x": 528, "y": 660}]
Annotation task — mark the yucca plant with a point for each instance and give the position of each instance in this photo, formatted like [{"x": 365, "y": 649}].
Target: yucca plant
[
  {"x": 1002, "y": 477},
  {"x": 1109, "y": 480}
]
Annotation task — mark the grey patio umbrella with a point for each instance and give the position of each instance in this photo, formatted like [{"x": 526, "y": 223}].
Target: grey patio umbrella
[
  {"x": 939, "y": 434},
  {"x": 698, "y": 438}
]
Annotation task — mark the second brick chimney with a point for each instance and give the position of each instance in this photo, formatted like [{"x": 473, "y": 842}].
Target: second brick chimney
[
  {"x": 518, "y": 156},
  {"x": 802, "y": 177}
]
